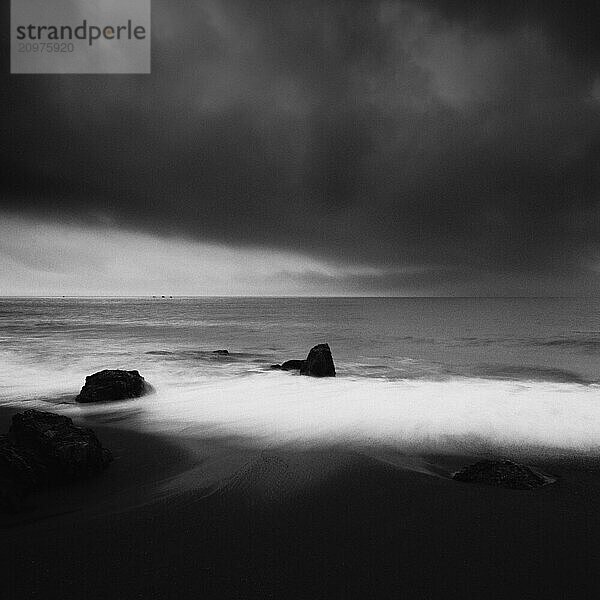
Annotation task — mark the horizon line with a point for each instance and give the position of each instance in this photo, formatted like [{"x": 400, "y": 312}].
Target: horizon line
[{"x": 176, "y": 296}]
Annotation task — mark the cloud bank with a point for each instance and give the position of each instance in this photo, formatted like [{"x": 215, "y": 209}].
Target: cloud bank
[{"x": 427, "y": 147}]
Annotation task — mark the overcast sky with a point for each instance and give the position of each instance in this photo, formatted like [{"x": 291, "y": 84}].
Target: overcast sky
[{"x": 315, "y": 147}]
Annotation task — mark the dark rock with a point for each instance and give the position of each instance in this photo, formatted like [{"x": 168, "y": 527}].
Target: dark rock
[
  {"x": 292, "y": 365},
  {"x": 502, "y": 473},
  {"x": 55, "y": 449},
  {"x": 288, "y": 365},
  {"x": 45, "y": 449},
  {"x": 319, "y": 362},
  {"x": 221, "y": 352},
  {"x": 109, "y": 385}
]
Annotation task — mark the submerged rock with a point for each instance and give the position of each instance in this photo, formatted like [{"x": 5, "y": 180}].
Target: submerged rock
[
  {"x": 110, "y": 385},
  {"x": 56, "y": 449},
  {"x": 319, "y": 362},
  {"x": 502, "y": 473}
]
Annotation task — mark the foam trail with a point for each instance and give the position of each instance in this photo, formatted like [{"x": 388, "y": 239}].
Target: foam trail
[
  {"x": 456, "y": 415},
  {"x": 461, "y": 415}
]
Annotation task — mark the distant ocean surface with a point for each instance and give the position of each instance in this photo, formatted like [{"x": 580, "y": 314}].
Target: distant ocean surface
[{"x": 433, "y": 371}]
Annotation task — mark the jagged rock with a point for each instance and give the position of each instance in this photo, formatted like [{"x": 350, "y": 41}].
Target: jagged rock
[
  {"x": 319, "y": 362},
  {"x": 45, "y": 449},
  {"x": 501, "y": 473},
  {"x": 110, "y": 385},
  {"x": 221, "y": 352},
  {"x": 55, "y": 449}
]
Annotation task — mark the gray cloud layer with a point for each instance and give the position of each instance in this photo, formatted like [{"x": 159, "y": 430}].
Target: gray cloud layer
[{"x": 453, "y": 145}]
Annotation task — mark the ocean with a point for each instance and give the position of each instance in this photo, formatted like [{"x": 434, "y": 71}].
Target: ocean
[{"x": 437, "y": 374}]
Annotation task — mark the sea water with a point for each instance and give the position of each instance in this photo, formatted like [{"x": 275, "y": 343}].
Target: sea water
[{"x": 438, "y": 374}]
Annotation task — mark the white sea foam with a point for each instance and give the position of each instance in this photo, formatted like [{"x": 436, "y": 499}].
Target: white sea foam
[
  {"x": 427, "y": 414},
  {"x": 461, "y": 415},
  {"x": 455, "y": 415}
]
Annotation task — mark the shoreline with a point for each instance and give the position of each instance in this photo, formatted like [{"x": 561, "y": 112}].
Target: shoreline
[{"x": 220, "y": 520}]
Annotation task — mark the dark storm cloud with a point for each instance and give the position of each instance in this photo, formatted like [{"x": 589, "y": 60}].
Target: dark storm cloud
[
  {"x": 573, "y": 25},
  {"x": 457, "y": 139}
]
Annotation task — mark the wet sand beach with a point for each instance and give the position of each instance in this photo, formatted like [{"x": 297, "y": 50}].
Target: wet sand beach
[{"x": 221, "y": 518}]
